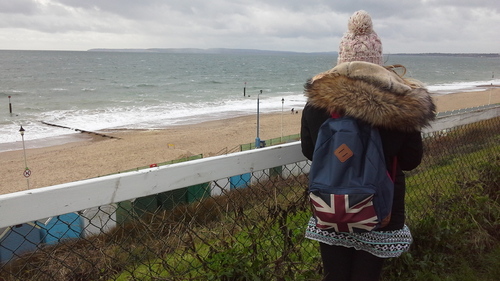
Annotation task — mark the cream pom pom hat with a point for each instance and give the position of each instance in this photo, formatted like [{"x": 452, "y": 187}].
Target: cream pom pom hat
[{"x": 360, "y": 42}]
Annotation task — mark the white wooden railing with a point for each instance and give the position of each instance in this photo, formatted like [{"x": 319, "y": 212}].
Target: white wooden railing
[{"x": 40, "y": 203}]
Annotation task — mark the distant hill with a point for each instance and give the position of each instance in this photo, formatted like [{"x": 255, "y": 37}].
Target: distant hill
[
  {"x": 269, "y": 52},
  {"x": 205, "y": 51}
]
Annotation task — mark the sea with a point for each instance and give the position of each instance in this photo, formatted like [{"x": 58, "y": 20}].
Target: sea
[{"x": 105, "y": 91}]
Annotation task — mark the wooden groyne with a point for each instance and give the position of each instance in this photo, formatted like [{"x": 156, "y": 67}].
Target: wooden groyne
[{"x": 79, "y": 130}]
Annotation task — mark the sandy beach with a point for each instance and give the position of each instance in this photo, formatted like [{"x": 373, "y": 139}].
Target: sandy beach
[{"x": 95, "y": 156}]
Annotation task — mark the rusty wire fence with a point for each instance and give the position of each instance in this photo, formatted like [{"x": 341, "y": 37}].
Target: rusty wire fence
[{"x": 252, "y": 228}]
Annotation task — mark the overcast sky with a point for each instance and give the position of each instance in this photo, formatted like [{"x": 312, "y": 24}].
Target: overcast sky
[{"x": 452, "y": 26}]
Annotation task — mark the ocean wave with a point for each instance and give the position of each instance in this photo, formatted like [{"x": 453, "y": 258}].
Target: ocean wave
[
  {"x": 180, "y": 89},
  {"x": 448, "y": 88},
  {"x": 146, "y": 86},
  {"x": 153, "y": 116}
]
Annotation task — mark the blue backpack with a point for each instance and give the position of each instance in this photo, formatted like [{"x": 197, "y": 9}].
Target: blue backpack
[{"x": 350, "y": 189}]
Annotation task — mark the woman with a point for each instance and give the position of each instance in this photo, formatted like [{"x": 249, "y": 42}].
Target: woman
[{"x": 360, "y": 87}]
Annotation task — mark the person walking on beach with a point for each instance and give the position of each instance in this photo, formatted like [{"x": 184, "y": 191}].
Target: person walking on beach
[{"x": 360, "y": 87}]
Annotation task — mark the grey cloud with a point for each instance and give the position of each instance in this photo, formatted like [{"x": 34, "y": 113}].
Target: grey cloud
[
  {"x": 274, "y": 24},
  {"x": 490, "y": 4},
  {"x": 25, "y": 7}
]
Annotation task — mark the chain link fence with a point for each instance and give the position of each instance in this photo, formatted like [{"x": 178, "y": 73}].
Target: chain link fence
[{"x": 246, "y": 227}]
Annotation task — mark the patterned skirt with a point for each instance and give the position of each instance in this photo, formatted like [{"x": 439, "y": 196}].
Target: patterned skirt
[{"x": 384, "y": 244}]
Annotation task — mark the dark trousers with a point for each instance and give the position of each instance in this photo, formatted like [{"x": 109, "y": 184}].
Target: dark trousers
[{"x": 348, "y": 264}]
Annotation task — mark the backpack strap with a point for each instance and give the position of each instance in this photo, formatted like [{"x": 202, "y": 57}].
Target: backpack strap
[
  {"x": 394, "y": 167},
  {"x": 335, "y": 115}
]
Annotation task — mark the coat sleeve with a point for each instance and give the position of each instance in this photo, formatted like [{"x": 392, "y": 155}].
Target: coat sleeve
[
  {"x": 312, "y": 119},
  {"x": 406, "y": 146},
  {"x": 408, "y": 149},
  {"x": 306, "y": 137},
  {"x": 411, "y": 152}
]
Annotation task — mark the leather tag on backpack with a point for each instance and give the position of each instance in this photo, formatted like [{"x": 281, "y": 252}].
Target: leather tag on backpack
[{"x": 343, "y": 153}]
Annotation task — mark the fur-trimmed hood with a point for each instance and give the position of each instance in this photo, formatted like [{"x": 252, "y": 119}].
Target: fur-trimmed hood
[{"x": 372, "y": 93}]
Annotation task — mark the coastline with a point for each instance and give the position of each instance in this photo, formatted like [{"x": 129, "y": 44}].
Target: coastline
[{"x": 92, "y": 156}]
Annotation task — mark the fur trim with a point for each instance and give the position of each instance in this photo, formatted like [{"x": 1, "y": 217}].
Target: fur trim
[{"x": 373, "y": 94}]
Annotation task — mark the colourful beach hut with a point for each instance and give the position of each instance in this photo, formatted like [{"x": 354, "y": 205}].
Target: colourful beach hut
[
  {"x": 240, "y": 181},
  {"x": 57, "y": 228},
  {"x": 17, "y": 240}
]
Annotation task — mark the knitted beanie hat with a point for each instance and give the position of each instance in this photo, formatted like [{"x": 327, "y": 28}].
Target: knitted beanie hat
[{"x": 360, "y": 42}]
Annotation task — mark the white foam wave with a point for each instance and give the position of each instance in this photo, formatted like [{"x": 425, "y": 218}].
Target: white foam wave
[
  {"x": 448, "y": 88},
  {"x": 142, "y": 117}
]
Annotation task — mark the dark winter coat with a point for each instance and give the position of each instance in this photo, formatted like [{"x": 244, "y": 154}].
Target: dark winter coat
[{"x": 380, "y": 97}]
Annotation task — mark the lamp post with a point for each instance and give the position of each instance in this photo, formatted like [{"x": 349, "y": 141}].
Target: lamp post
[
  {"x": 27, "y": 172},
  {"x": 282, "y": 104},
  {"x": 257, "y": 139},
  {"x": 492, "y": 77}
]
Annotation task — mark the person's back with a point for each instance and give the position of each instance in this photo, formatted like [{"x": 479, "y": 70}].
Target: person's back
[{"x": 373, "y": 94}]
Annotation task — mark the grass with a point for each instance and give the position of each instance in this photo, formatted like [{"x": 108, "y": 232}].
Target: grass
[{"x": 459, "y": 240}]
